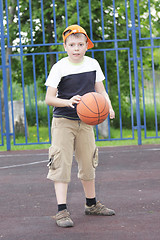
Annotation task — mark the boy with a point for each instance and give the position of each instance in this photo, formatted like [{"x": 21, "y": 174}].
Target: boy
[{"x": 69, "y": 79}]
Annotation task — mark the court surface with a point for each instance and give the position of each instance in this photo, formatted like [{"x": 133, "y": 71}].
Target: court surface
[{"x": 127, "y": 180}]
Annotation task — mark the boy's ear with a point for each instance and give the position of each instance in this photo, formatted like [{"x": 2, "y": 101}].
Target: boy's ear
[
  {"x": 87, "y": 45},
  {"x": 64, "y": 45}
]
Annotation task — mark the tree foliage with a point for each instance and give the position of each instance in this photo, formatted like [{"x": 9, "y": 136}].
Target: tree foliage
[{"x": 36, "y": 27}]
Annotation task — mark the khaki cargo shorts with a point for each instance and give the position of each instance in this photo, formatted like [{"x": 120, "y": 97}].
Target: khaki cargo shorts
[{"x": 69, "y": 137}]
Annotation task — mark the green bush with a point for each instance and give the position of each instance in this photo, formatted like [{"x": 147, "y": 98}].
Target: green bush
[
  {"x": 126, "y": 116},
  {"x": 42, "y": 114},
  {"x": 150, "y": 117}
]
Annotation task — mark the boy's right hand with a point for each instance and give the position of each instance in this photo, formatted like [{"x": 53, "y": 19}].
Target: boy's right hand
[{"x": 74, "y": 100}]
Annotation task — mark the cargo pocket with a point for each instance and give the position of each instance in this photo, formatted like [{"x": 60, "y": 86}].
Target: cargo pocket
[
  {"x": 54, "y": 158},
  {"x": 95, "y": 158}
]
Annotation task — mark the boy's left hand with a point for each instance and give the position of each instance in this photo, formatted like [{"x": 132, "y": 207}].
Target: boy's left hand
[
  {"x": 112, "y": 113},
  {"x": 74, "y": 100}
]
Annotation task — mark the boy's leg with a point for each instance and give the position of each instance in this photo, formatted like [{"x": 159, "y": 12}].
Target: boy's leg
[
  {"x": 61, "y": 192},
  {"x": 92, "y": 207},
  {"x": 89, "y": 188},
  {"x": 59, "y": 172},
  {"x": 87, "y": 156},
  {"x": 63, "y": 218}
]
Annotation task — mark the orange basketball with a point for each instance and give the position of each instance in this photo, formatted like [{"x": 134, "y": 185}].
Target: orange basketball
[{"x": 92, "y": 108}]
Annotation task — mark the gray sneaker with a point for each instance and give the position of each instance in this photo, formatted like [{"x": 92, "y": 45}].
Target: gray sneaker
[
  {"x": 63, "y": 219},
  {"x": 99, "y": 209}
]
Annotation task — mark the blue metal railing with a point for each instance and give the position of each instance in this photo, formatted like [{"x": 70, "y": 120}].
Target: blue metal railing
[
  {"x": 1, "y": 123},
  {"x": 127, "y": 42},
  {"x": 3, "y": 57},
  {"x": 135, "y": 70}
]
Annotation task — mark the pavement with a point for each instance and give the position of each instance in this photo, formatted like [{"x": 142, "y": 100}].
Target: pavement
[{"x": 127, "y": 180}]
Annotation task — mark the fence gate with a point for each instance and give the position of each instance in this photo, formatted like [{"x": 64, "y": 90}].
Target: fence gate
[{"x": 126, "y": 38}]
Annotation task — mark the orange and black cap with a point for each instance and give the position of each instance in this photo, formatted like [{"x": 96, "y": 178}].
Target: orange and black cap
[{"x": 73, "y": 29}]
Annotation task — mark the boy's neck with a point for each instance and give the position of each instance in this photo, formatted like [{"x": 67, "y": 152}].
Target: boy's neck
[{"x": 75, "y": 63}]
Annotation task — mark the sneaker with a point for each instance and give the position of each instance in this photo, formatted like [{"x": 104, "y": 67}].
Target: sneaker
[
  {"x": 99, "y": 209},
  {"x": 63, "y": 219}
]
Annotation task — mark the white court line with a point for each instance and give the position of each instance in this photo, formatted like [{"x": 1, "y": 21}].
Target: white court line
[
  {"x": 34, "y": 163},
  {"x": 26, "y": 155},
  {"x": 46, "y": 154},
  {"x": 129, "y": 150},
  {"x": 153, "y": 149},
  {"x": 24, "y": 164}
]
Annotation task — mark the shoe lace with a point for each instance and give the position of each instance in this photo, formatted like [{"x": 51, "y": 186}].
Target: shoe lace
[{"x": 63, "y": 214}]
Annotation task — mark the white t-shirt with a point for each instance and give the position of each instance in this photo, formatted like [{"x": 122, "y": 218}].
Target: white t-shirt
[
  {"x": 73, "y": 79},
  {"x": 64, "y": 68}
]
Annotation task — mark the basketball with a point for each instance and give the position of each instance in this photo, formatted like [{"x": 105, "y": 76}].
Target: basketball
[{"x": 93, "y": 108}]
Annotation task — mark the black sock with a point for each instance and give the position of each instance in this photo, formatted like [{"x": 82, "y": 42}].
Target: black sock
[
  {"x": 90, "y": 201},
  {"x": 62, "y": 207}
]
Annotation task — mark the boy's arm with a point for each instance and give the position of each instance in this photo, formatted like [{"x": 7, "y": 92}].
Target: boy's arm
[
  {"x": 99, "y": 87},
  {"x": 52, "y": 100}
]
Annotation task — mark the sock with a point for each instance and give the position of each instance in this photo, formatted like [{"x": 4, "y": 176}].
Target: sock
[
  {"x": 62, "y": 207},
  {"x": 90, "y": 201}
]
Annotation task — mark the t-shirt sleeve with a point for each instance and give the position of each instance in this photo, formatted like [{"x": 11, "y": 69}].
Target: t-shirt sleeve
[
  {"x": 99, "y": 74},
  {"x": 54, "y": 76}
]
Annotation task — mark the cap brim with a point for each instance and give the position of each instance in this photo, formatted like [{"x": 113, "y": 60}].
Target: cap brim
[{"x": 90, "y": 43}]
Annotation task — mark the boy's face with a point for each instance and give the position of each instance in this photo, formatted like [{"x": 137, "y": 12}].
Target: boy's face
[{"x": 76, "y": 48}]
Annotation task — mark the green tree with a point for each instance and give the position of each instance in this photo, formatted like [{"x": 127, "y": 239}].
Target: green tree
[{"x": 38, "y": 25}]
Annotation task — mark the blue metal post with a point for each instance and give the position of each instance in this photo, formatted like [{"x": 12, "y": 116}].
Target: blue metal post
[
  {"x": 4, "y": 77},
  {"x": 134, "y": 45}
]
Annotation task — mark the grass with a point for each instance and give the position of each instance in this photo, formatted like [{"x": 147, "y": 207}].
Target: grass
[
  {"x": 115, "y": 133},
  {"x": 126, "y": 133}
]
